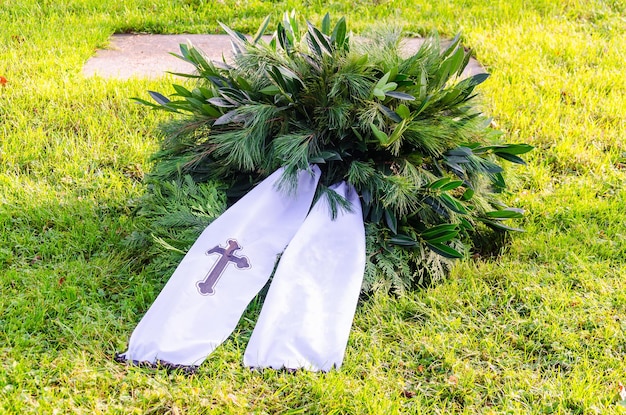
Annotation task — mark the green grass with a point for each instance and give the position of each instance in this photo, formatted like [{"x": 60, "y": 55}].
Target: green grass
[{"x": 538, "y": 329}]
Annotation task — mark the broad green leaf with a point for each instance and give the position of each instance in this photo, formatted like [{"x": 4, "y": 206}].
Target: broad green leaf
[
  {"x": 320, "y": 39},
  {"x": 205, "y": 67},
  {"x": 286, "y": 72},
  {"x": 181, "y": 104},
  {"x": 217, "y": 81},
  {"x": 456, "y": 60},
  {"x": 226, "y": 118},
  {"x": 391, "y": 221},
  {"x": 512, "y": 148},
  {"x": 403, "y": 240},
  {"x": 326, "y": 24},
  {"x": 499, "y": 225},
  {"x": 452, "y": 185},
  {"x": 184, "y": 50},
  {"x": 439, "y": 183},
  {"x": 460, "y": 152},
  {"x": 491, "y": 167},
  {"x": 379, "y": 93},
  {"x": 508, "y": 213},
  {"x": 390, "y": 113},
  {"x": 466, "y": 224},
  {"x": 259, "y": 34},
  {"x": 195, "y": 102},
  {"x": 312, "y": 62},
  {"x": 444, "y": 237},
  {"x": 453, "y": 204},
  {"x": 220, "y": 102},
  {"x": 362, "y": 60},
  {"x": 196, "y": 93},
  {"x": 325, "y": 156},
  {"x": 452, "y": 46},
  {"x": 206, "y": 92},
  {"x": 376, "y": 214},
  {"x": 443, "y": 73},
  {"x": 466, "y": 60},
  {"x": 423, "y": 105},
  {"x": 450, "y": 97},
  {"x": 144, "y": 102},
  {"x": 477, "y": 79},
  {"x": 396, "y": 135},
  {"x": 185, "y": 75},
  {"x": 234, "y": 96},
  {"x": 400, "y": 95},
  {"x": 154, "y": 106},
  {"x": 243, "y": 84},
  {"x": 390, "y": 86},
  {"x": 338, "y": 36},
  {"x": 457, "y": 159},
  {"x": 439, "y": 230},
  {"x": 468, "y": 194},
  {"x": 291, "y": 25},
  {"x": 403, "y": 111},
  {"x": 423, "y": 86},
  {"x": 275, "y": 74},
  {"x": 510, "y": 157},
  {"x": 382, "y": 81},
  {"x": 382, "y": 137},
  {"x": 498, "y": 180},
  {"x": 393, "y": 71},
  {"x": 366, "y": 195},
  {"x": 314, "y": 47},
  {"x": 283, "y": 39},
  {"x": 445, "y": 250},
  {"x": 211, "y": 111},
  {"x": 159, "y": 98},
  {"x": 437, "y": 206}
]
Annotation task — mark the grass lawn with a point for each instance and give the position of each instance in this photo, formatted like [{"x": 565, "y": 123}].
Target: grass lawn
[{"x": 539, "y": 329}]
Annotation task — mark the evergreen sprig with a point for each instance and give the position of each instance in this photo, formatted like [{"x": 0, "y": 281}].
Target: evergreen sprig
[{"x": 403, "y": 130}]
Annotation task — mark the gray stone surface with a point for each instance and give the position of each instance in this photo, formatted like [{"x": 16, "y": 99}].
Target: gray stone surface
[{"x": 135, "y": 55}]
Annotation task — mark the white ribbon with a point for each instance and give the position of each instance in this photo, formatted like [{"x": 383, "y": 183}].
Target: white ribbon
[
  {"x": 308, "y": 311},
  {"x": 306, "y": 318}
]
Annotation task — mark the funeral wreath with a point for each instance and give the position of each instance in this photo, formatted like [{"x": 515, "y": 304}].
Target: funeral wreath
[{"x": 405, "y": 131}]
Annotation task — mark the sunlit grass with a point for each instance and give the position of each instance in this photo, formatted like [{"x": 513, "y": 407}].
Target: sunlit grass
[{"x": 538, "y": 329}]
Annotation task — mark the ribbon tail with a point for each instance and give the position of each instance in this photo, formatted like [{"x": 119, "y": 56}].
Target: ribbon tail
[
  {"x": 224, "y": 269},
  {"x": 306, "y": 318}
]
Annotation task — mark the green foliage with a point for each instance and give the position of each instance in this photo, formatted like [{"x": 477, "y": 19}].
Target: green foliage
[
  {"x": 403, "y": 130},
  {"x": 170, "y": 216}
]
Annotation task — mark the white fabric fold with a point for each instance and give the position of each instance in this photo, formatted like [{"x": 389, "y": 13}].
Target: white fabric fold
[
  {"x": 225, "y": 268},
  {"x": 307, "y": 314}
]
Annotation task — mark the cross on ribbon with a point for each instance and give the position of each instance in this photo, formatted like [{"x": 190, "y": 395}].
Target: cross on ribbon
[
  {"x": 227, "y": 255},
  {"x": 306, "y": 317}
]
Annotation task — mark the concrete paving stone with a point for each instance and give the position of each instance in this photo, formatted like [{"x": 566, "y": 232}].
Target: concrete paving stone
[{"x": 148, "y": 56}]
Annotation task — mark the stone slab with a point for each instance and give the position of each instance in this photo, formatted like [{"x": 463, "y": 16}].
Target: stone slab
[{"x": 148, "y": 56}]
